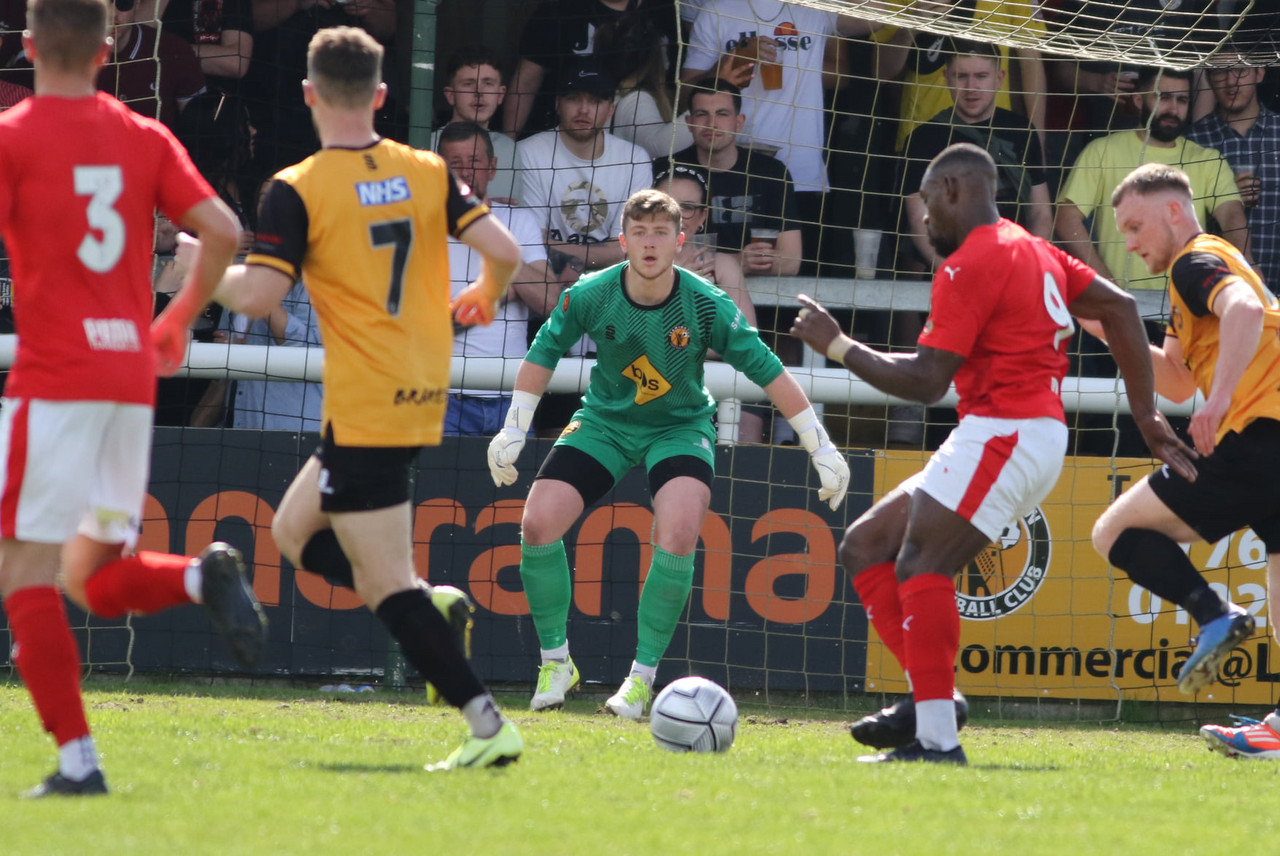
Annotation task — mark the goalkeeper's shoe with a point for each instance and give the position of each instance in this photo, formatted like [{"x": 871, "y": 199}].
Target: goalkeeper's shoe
[
  {"x": 554, "y": 681},
  {"x": 58, "y": 785},
  {"x": 895, "y": 725},
  {"x": 631, "y": 698},
  {"x": 457, "y": 608},
  {"x": 501, "y": 749},
  {"x": 1215, "y": 642},
  {"x": 233, "y": 610},
  {"x": 1252, "y": 739}
]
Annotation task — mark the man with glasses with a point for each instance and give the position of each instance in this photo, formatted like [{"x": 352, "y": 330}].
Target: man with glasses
[{"x": 1248, "y": 136}]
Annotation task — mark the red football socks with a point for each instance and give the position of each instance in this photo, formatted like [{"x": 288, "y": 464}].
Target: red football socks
[
  {"x": 48, "y": 659},
  {"x": 931, "y": 633},
  {"x": 877, "y": 588},
  {"x": 143, "y": 583}
]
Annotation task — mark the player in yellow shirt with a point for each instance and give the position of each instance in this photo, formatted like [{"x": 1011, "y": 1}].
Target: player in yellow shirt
[
  {"x": 364, "y": 222},
  {"x": 1222, "y": 341}
]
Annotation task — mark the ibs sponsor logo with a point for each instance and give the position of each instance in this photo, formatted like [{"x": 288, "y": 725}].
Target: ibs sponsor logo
[
  {"x": 1008, "y": 573},
  {"x": 650, "y": 383}
]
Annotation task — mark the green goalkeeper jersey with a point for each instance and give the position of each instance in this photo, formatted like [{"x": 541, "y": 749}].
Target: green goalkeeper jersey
[{"x": 649, "y": 359}]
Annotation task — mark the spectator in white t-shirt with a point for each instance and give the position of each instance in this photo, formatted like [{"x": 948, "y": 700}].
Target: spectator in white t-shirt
[
  {"x": 735, "y": 41},
  {"x": 468, "y": 150},
  {"x": 577, "y": 177}
]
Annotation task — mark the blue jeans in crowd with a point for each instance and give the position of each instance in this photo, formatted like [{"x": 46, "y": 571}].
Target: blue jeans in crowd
[{"x": 475, "y": 415}]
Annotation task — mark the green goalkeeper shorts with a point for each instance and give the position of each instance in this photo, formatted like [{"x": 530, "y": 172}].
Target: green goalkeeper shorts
[{"x": 619, "y": 446}]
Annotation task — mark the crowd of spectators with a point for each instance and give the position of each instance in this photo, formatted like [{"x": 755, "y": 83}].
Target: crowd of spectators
[{"x": 795, "y": 137}]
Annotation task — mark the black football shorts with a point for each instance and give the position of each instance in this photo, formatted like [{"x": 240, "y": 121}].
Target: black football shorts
[{"x": 1237, "y": 486}]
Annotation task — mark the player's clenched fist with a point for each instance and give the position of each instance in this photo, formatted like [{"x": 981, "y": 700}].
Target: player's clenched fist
[
  {"x": 833, "y": 471},
  {"x": 474, "y": 305},
  {"x": 832, "y": 468},
  {"x": 505, "y": 446},
  {"x": 169, "y": 338}
]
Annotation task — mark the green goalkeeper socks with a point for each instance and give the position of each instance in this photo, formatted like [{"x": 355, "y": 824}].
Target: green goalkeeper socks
[
  {"x": 545, "y": 572},
  {"x": 662, "y": 600}
]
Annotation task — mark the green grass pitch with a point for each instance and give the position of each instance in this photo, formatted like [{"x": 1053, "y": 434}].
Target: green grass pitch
[{"x": 231, "y": 770}]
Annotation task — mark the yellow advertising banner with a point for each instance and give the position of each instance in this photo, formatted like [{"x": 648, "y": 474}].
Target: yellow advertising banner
[{"x": 1044, "y": 616}]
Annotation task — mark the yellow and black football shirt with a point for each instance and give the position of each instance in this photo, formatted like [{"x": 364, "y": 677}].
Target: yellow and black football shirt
[
  {"x": 1198, "y": 273},
  {"x": 366, "y": 231}
]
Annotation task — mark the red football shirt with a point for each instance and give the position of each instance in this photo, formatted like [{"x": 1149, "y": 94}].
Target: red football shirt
[
  {"x": 80, "y": 180},
  {"x": 1000, "y": 301}
]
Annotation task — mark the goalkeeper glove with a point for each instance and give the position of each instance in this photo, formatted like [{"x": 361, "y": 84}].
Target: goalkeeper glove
[
  {"x": 505, "y": 447},
  {"x": 833, "y": 469}
]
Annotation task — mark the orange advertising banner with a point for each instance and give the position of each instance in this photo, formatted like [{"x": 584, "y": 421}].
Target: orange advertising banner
[{"x": 1044, "y": 616}]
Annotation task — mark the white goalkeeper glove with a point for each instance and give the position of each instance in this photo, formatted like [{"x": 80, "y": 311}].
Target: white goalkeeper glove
[
  {"x": 505, "y": 447},
  {"x": 833, "y": 469}
]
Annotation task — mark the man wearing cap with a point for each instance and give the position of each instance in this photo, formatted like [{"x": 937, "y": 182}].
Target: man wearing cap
[{"x": 577, "y": 177}]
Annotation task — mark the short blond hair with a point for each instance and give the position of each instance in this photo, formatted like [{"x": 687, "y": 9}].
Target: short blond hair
[
  {"x": 650, "y": 203},
  {"x": 344, "y": 64},
  {"x": 68, "y": 33},
  {"x": 1152, "y": 178}
]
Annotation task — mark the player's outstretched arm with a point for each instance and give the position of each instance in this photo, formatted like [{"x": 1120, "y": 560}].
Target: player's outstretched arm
[
  {"x": 505, "y": 447},
  {"x": 923, "y": 376},
  {"x": 1117, "y": 312},
  {"x": 219, "y": 233},
  {"x": 827, "y": 460},
  {"x": 253, "y": 290},
  {"x": 500, "y": 259}
]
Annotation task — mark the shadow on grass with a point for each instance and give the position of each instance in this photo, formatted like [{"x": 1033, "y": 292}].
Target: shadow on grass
[
  {"x": 370, "y": 768},
  {"x": 1016, "y": 768}
]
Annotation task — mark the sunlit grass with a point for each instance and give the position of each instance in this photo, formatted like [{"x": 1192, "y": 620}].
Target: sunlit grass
[{"x": 228, "y": 770}]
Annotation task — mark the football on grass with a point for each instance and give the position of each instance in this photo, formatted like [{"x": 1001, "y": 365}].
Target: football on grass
[{"x": 694, "y": 715}]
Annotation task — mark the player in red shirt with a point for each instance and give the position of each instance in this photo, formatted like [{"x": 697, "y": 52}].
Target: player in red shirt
[
  {"x": 81, "y": 177},
  {"x": 999, "y": 322}
]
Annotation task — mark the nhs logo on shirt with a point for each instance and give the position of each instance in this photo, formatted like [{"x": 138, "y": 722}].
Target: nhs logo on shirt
[{"x": 383, "y": 192}]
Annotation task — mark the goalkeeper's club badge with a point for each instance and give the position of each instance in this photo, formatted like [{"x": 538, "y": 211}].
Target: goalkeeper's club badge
[
  {"x": 1008, "y": 572},
  {"x": 679, "y": 337},
  {"x": 571, "y": 427}
]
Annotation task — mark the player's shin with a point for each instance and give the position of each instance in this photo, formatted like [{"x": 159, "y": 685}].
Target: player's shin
[
  {"x": 144, "y": 583},
  {"x": 48, "y": 660},
  {"x": 877, "y": 588},
  {"x": 430, "y": 645},
  {"x": 662, "y": 602},
  {"x": 931, "y": 636},
  {"x": 544, "y": 569},
  {"x": 1156, "y": 562}
]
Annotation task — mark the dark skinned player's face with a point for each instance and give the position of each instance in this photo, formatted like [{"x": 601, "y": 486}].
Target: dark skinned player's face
[{"x": 939, "y": 218}]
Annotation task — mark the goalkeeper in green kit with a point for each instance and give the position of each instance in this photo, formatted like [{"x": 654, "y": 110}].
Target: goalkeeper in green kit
[{"x": 653, "y": 324}]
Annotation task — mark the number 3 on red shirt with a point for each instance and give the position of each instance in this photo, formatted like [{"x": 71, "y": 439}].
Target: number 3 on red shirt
[{"x": 102, "y": 184}]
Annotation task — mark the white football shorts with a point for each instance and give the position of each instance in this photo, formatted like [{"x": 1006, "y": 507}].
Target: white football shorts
[
  {"x": 73, "y": 466},
  {"x": 992, "y": 471}
]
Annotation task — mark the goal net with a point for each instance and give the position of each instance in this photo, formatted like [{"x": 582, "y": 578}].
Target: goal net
[{"x": 1045, "y": 620}]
